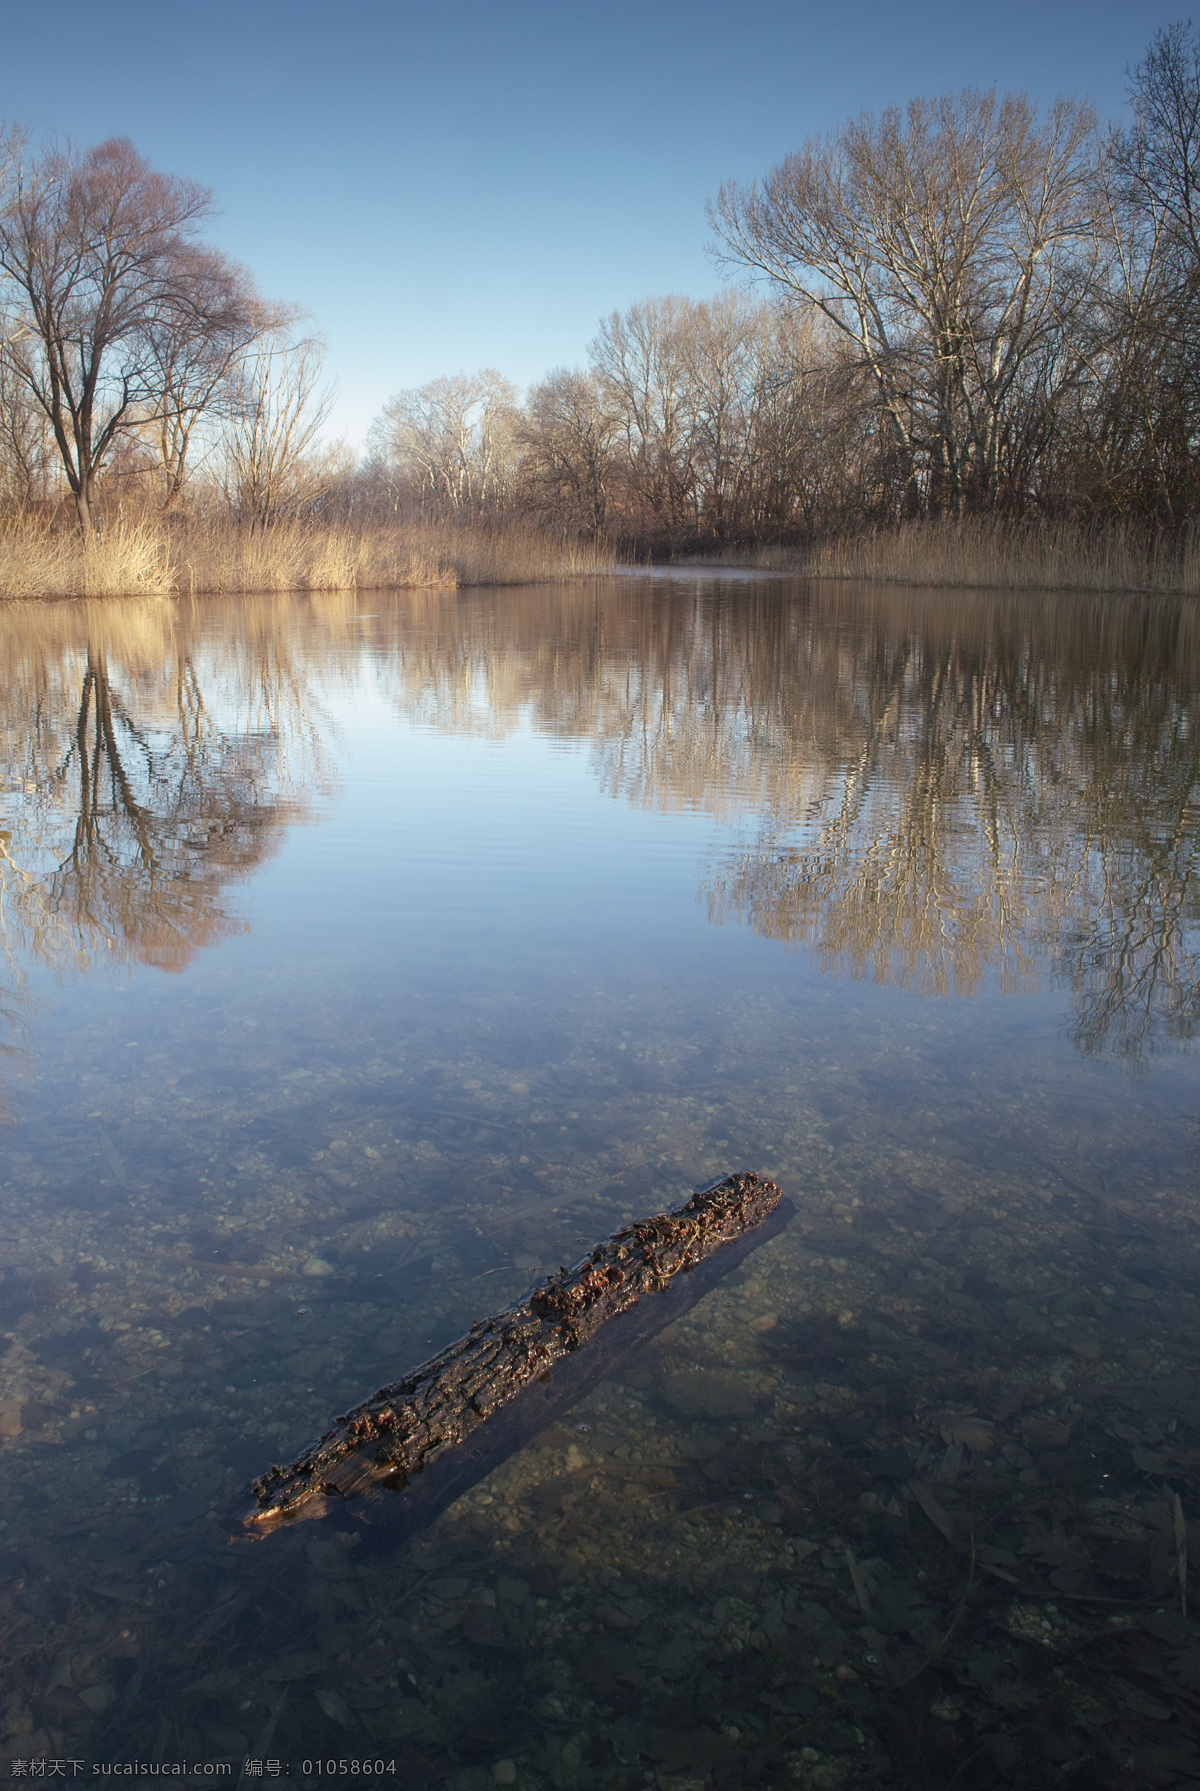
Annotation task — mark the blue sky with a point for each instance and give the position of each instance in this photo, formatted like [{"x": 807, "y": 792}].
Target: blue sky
[{"x": 455, "y": 186}]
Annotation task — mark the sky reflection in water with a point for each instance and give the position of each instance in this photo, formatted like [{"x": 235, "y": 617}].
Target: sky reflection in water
[{"x": 364, "y": 959}]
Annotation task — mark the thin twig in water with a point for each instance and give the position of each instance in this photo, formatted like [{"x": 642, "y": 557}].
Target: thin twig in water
[
  {"x": 860, "y": 1584},
  {"x": 940, "y": 1648},
  {"x": 266, "y": 1736},
  {"x": 937, "y": 1515}
]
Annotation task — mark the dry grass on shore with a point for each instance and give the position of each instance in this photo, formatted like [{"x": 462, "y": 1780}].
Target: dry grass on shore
[
  {"x": 975, "y": 555},
  {"x": 142, "y": 560},
  {"x": 198, "y": 556},
  {"x": 36, "y": 561}
]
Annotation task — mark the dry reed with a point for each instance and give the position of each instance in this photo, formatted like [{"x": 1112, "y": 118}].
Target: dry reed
[
  {"x": 982, "y": 555},
  {"x": 198, "y": 556},
  {"x": 37, "y": 561}
]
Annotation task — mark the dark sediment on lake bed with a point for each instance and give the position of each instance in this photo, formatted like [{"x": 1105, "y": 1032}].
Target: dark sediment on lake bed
[{"x": 408, "y": 1425}]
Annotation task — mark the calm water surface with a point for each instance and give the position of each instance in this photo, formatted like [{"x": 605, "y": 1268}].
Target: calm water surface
[{"x": 363, "y": 960}]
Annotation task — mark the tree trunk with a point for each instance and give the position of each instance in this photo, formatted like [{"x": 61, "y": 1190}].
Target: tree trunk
[
  {"x": 408, "y": 1425},
  {"x": 83, "y": 510}
]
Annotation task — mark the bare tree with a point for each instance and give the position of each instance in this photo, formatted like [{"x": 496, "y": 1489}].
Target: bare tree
[
  {"x": 640, "y": 357},
  {"x": 1146, "y": 379},
  {"x": 807, "y": 459},
  {"x": 1162, "y": 150},
  {"x": 449, "y": 446},
  {"x": 98, "y": 250},
  {"x": 568, "y": 435},
  {"x": 942, "y": 243},
  {"x": 28, "y": 454},
  {"x": 275, "y": 409},
  {"x": 721, "y": 346},
  {"x": 192, "y": 352},
  {"x": 698, "y": 422}
]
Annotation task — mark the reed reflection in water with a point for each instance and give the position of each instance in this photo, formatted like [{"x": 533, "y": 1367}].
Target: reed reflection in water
[{"x": 434, "y": 876}]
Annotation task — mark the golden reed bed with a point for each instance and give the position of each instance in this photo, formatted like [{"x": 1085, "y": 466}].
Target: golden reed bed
[
  {"x": 140, "y": 559},
  {"x": 197, "y": 557},
  {"x": 981, "y": 555}
]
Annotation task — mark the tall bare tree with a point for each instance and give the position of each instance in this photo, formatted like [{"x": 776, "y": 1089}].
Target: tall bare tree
[
  {"x": 1146, "y": 382},
  {"x": 1162, "y": 149},
  {"x": 640, "y": 357},
  {"x": 942, "y": 243},
  {"x": 98, "y": 250},
  {"x": 274, "y": 412}
]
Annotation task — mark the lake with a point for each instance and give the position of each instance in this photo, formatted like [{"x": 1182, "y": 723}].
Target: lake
[{"x": 367, "y": 958}]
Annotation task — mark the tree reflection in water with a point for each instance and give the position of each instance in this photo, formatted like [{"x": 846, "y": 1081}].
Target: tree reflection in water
[
  {"x": 947, "y": 789},
  {"x": 1014, "y": 799},
  {"x": 143, "y": 776}
]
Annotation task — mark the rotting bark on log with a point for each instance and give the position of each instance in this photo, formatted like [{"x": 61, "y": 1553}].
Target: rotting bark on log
[{"x": 405, "y": 1427}]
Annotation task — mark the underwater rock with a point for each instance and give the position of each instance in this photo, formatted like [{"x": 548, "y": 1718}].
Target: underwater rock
[{"x": 699, "y": 1393}]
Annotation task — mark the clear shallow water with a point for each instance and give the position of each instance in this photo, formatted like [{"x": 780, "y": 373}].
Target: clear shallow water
[{"x": 365, "y": 960}]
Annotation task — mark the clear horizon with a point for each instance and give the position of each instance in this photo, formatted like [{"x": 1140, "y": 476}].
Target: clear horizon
[{"x": 462, "y": 190}]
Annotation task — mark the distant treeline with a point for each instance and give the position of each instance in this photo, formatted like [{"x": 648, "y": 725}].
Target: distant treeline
[{"x": 964, "y": 309}]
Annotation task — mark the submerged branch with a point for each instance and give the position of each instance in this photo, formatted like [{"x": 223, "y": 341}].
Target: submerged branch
[{"x": 406, "y": 1426}]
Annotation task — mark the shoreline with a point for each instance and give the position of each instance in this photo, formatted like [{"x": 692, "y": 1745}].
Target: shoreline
[
  {"x": 200, "y": 558},
  {"x": 989, "y": 556}
]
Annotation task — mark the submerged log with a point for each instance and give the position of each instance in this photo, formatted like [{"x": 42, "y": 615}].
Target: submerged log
[{"x": 407, "y": 1427}]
